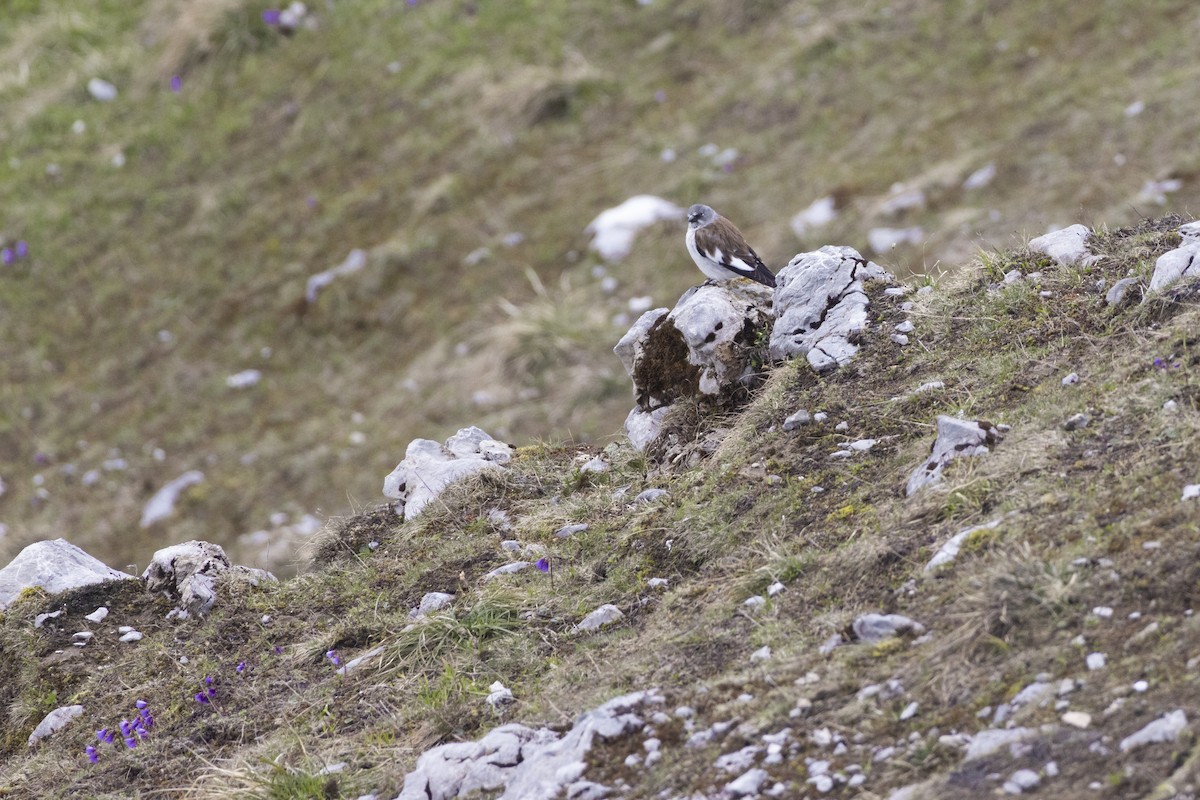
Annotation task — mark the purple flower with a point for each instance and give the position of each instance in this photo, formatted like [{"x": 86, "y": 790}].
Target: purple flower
[
  {"x": 130, "y": 742},
  {"x": 241, "y": 667},
  {"x": 278, "y": 650},
  {"x": 22, "y": 248},
  {"x": 105, "y": 735},
  {"x": 543, "y": 564},
  {"x": 141, "y": 704},
  {"x": 147, "y": 720},
  {"x": 333, "y": 656},
  {"x": 92, "y": 755},
  {"x": 201, "y": 698},
  {"x": 141, "y": 732},
  {"x": 208, "y": 681},
  {"x": 176, "y": 83},
  {"x": 125, "y": 727},
  {"x": 270, "y": 16},
  {"x": 1158, "y": 362},
  {"x": 7, "y": 256}
]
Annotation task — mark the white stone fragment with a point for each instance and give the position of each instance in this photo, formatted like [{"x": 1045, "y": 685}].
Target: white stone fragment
[
  {"x": 98, "y": 615},
  {"x": 819, "y": 213},
  {"x": 1164, "y": 729},
  {"x": 754, "y": 604},
  {"x": 1068, "y": 246},
  {"x": 499, "y": 695},
  {"x": 1182, "y": 262},
  {"x": 775, "y": 588},
  {"x": 748, "y": 783},
  {"x": 507, "y": 569},
  {"x": 132, "y": 636},
  {"x": 1140, "y": 686},
  {"x": 650, "y": 495},
  {"x": 658, "y": 583},
  {"x": 643, "y": 427},
  {"x": 956, "y": 438},
  {"x": 613, "y": 230},
  {"x": 1104, "y": 612},
  {"x": 358, "y": 661},
  {"x": 905, "y": 327},
  {"x": 54, "y": 565},
  {"x": 1096, "y": 661},
  {"x": 1191, "y": 491},
  {"x": 431, "y": 602},
  {"x": 354, "y": 261},
  {"x": 949, "y": 551},
  {"x": 604, "y": 615},
  {"x": 761, "y": 654},
  {"x": 40, "y": 619},
  {"x": 53, "y": 722},
  {"x": 909, "y": 711},
  {"x": 992, "y": 740},
  {"x": 188, "y": 572},
  {"x": 872, "y": 628},
  {"x": 980, "y": 177},
  {"x": 102, "y": 90},
  {"x": 1071, "y": 380},
  {"x": 244, "y": 379},
  {"x": 162, "y": 504}
]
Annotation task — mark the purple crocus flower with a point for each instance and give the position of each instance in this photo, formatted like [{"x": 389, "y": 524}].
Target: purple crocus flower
[
  {"x": 125, "y": 727},
  {"x": 141, "y": 704},
  {"x": 333, "y": 656},
  {"x": 22, "y": 249},
  {"x": 271, "y": 16},
  {"x": 7, "y": 256},
  {"x": 130, "y": 742},
  {"x": 141, "y": 732},
  {"x": 201, "y": 698},
  {"x": 543, "y": 564},
  {"x": 176, "y": 83},
  {"x": 105, "y": 735},
  {"x": 92, "y": 755},
  {"x": 147, "y": 720}
]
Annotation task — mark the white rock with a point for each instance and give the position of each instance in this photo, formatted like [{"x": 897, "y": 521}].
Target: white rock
[
  {"x": 821, "y": 306},
  {"x": 1140, "y": 686},
  {"x": 905, "y": 327},
  {"x": 650, "y": 495},
  {"x": 822, "y": 783},
  {"x": 755, "y": 604},
  {"x": 83, "y": 636},
  {"x": 428, "y": 468},
  {"x": 863, "y": 445},
  {"x": 949, "y": 551},
  {"x": 132, "y": 636},
  {"x": 1067, "y": 246},
  {"x": 187, "y": 572},
  {"x": 909, "y": 711},
  {"x": 1164, "y": 729},
  {"x": 1104, "y": 612},
  {"x": 1071, "y": 379},
  {"x": 604, "y": 615},
  {"x": 431, "y": 602},
  {"x": 956, "y": 438},
  {"x": 761, "y": 654},
  {"x": 54, "y": 565},
  {"x": 53, "y": 722},
  {"x": 658, "y": 583},
  {"x": 1096, "y": 661},
  {"x": 980, "y": 177},
  {"x": 775, "y": 588},
  {"x": 102, "y": 90},
  {"x": 1175, "y": 265},
  {"x": 882, "y": 240},
  {"x": 355, "y": 663},
  {"x": 40, "y": 619},
  {"x": 748, "y": 783},
  {"x": 499, "y": 695},
  {"x": 596, "y": 465},
  {"x": 1191, "y": 491},
  {"x": 872, "y": 628},
  {"x": 507, "y": 569},
  {"x": 1119, "y": 291},
  {"x": 643, "y": 427},
  {"x": 992, "y": 740},
  {"x": 162, "y": 504},
  {"x": 819, "y": 213},
  {"x": 244, "y": 379},
  {"x": 355, "y": 261},
  {"x": 614, "y": 230},
  {"x": 571, "y": 530},
  {"x": 797, "y": 420}
]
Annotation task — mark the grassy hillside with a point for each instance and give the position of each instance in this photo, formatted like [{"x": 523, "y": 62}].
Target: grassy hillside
[
  {"x": 422, "y": 132},
  {"x": 1089, "y": 550}
]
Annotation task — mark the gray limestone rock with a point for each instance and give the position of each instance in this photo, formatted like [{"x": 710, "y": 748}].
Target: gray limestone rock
[
  {"x": 53, "y": 722},
  {"x": 604, "y": 615},
  {"x": 955, "y": 438},
  {"x": 1067, "y": 246},
  {"x": 872, "y": 628},
  {"x": 1164, "y": 729},
  {"x": 1120, "y": 292},
  {"x": 188, "y": 573},
  {"x": 1175, "y": 265},
  {"x": 515, "y": 762},
  {"x": 821, "y": 306},
  {"x": 55, "y": 565},
  {"x": 643, "y": 427},
  {"x": 428, "y": 467}
]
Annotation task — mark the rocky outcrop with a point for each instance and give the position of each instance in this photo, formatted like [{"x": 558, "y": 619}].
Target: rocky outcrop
[
  {"x": 187, "y": 573},
  {"x": 55, "y": 566},
  {"x": 821, "y": 304},
  {"x": 428, "y": 467},
  {"x": 522, "y": 763},
  {"x": 1182, "y": 262}
]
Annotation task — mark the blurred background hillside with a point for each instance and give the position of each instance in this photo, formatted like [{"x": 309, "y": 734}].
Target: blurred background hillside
[{"x": 174, "y": 172}]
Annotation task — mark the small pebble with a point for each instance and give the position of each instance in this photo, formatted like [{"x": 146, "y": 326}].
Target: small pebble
[
  {"x": 1071, "y": 379},
  {"x": 1096, "y": 661},
  {"x": 1140, "y": 686}
]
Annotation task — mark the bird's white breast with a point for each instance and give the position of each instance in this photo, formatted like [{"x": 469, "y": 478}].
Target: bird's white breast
[{"x": 709, "y": 267}]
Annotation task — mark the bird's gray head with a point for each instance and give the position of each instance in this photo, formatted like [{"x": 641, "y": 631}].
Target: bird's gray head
[{"x": 700, "y": 215}]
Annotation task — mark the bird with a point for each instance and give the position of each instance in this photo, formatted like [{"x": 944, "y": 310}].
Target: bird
[{"x": 720, "y": 250}]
